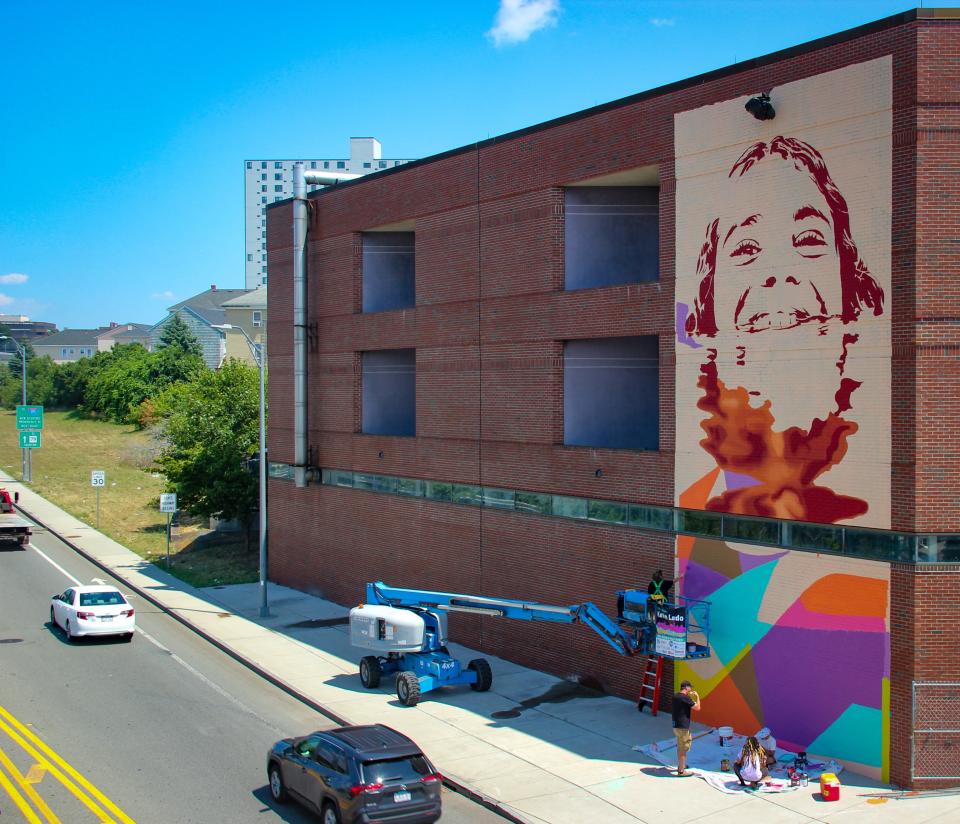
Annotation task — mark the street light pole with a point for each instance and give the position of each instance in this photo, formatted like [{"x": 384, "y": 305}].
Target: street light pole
[
  {"x": 26, "y": 467},
  {"x": 258, "y": 355}
]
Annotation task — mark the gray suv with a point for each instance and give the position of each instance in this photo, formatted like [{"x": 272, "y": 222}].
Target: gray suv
[{"x": 365, "y": 774}]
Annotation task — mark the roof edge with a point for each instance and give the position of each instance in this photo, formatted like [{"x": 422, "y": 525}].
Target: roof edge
[{"x": 846, "y": 35}]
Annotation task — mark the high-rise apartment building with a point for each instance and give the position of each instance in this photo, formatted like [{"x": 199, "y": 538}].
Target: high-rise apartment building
[{"x": 267, "y": 181}]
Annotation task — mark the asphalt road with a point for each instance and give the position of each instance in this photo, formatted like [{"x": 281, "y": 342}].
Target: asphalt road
[{"x": 166, "y": 729}]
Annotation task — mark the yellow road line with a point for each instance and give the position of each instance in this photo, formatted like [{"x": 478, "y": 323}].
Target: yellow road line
[
  {"x": 61, "y": 769},
  {"x": 18, "y": 799},
  {"x": 63, "y": 779},
  {"x": 27, "y": 786}
]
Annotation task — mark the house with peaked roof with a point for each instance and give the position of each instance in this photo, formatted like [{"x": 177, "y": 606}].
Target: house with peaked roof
[
  {"x": 69, "y": 344},
  {"x": 202, "y": 313},
  {"x": 246, "y": 313},
  {"x": 124, "y": 333}
]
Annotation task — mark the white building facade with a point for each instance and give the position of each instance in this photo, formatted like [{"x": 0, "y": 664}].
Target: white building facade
[{"x": 267, "y": 181}]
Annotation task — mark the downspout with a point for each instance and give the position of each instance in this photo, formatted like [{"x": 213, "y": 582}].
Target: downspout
[{"x": 301, "y": 179}]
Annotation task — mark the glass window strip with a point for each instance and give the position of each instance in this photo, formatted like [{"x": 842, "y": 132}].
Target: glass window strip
[{"x": 851, "y": 541}]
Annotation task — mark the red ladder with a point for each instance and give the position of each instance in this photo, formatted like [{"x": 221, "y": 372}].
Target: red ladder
[{"x": 650, "y": 686}]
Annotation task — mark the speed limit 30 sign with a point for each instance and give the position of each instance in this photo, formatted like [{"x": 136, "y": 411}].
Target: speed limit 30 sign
[{"x": 98, "y": 477}]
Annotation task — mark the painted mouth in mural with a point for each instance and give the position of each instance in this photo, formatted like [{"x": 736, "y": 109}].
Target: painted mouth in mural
[{"x": 761, "y": 321}]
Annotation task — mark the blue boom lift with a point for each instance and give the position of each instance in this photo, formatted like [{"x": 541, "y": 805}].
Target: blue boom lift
[{"x": 407, "y": 630}]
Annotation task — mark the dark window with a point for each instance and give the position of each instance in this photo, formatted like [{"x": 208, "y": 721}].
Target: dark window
[
  {"x": 396, "y": 771},
  {"x": 278, "y": 176},
  {"x": 612, "y": 235},
  {"x": 278, "y": 187},
  {"x": 382, "y": 164},
  {"x": 611, "y": 395},
  {"x": 389, "y": 392},
  {"x": 366, "y": 165},
  {"x": 249, "y": 164},
  {"x": 326, "y": 164},
  {"x": 101, "y": 599},
  {"x": 389, "y": 264},
  {"x": 341, "y": 164},
  {"x": 263, "y": 176},
  {"x": 263, "y": 187},
  {"x": 313, "y": 164},
  {"x": 277, "y": 164},
  {"x": 263, "y": 164}
]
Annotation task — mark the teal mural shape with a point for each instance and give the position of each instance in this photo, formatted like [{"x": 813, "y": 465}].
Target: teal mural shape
[
  {"x": 733, "y": 612},
  {"x": 857, "y": 735}
]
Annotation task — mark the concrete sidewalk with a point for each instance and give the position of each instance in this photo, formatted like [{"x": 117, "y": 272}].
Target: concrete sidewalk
[{"x": 561, "y": 754}]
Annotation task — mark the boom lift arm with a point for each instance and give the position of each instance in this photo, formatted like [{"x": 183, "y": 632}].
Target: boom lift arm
[
  {"x": 623, "y": 640},
  {"x": 406, "y": 630}
]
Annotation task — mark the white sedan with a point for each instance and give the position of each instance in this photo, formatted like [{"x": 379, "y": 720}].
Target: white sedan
[{"x": 92, "y": 610}]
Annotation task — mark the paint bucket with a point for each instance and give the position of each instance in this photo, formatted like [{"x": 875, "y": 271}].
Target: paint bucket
[{"x": 726, "y": 736}]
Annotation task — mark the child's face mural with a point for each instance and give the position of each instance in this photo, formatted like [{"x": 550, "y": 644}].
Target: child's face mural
[
  {"x": 783, "y": 374},
  {"x": 777, "y": 264}
]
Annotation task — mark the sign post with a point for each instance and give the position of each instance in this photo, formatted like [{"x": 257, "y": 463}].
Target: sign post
[
  {"x": 98, "y": 480},
  {"x": 168, "y": 504}
]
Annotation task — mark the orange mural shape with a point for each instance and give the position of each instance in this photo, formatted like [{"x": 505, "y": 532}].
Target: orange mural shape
[
  {"x": 726, "y": 706},
  {"x": 840, "y": 594}
]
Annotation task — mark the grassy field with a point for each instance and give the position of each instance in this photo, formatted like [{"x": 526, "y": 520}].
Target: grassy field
[{"x": 129, "y": 503}]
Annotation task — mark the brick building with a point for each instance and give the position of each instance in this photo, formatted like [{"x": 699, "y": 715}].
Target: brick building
[{"x": 662, "y": 333}]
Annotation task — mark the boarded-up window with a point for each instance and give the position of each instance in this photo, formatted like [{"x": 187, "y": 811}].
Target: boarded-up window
[
  {"x": 611, "y": 395},
  {"x": 612, "y": 235},
  {"x": 390, "y": 392}
]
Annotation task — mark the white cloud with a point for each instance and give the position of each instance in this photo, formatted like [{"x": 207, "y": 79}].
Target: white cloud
[
  {"x": 5, "y": 300},
  {"x": 167, "y": 295},
  {"x": 516, "y": 20},
  {"x": 13, "y": 277},
  {"x": 659, "y": 22}
]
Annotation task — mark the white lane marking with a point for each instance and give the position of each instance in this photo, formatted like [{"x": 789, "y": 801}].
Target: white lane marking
[
  {"x": 53, "y": 563},
  {"x": 214, "y": 686}
]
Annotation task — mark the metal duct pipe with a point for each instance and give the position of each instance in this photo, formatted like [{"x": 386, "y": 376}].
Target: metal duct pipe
[{"x": 300, "y": 180}]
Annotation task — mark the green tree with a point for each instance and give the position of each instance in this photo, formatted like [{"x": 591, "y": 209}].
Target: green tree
[
  {"x": 176, "y": 334},
  {"x": 119, "y": 383},
  {"x": 70, "y": 383},
  {"x": 211, "y": 426}
]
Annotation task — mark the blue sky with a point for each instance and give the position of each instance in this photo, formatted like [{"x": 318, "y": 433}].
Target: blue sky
[{"x": 126, "y": 124}]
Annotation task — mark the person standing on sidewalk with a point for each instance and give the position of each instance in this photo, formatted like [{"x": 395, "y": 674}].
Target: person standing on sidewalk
[{"x": 684, "y": 702}]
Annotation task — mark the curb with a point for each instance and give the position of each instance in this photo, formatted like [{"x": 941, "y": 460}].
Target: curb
[{"x": 462, "y": 789}]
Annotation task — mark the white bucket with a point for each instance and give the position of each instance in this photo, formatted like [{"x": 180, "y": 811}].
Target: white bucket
[{"x": 726, "y": 736}]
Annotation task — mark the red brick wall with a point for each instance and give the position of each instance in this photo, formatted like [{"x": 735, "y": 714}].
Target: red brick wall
[{"x": 488, "y": 328}]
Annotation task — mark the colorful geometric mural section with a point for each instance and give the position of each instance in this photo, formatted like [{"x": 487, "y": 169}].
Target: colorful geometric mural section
[{"x": 800, "y": 643}]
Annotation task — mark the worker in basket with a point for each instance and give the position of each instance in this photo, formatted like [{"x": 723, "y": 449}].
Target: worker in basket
[{"x": 658, "y": 591}]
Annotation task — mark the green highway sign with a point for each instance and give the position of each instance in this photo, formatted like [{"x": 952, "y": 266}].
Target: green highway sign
[
  {"x": 29, "y": 440},
  {"x": 29, "y": 417}
]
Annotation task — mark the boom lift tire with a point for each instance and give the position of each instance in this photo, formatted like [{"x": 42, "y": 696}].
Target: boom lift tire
[
  {"x": 370, "y": 672},
  {"x": 408, "y": 689},
  {"x": 484, "y": 674}
]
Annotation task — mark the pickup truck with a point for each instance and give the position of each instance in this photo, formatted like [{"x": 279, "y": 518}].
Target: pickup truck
[{"x": 12, "y": 526}]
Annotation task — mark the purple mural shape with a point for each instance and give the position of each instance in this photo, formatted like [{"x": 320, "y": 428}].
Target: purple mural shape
[{"x": 827, "y": 670}]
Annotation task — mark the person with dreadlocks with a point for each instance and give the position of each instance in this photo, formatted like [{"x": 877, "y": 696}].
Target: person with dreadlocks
[{"x": 751, "y": 766}]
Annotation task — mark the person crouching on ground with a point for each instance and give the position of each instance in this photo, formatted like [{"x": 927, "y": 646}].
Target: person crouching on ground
[
  {"x": 684, "y": 702},
  {"x": 751, "y": 766},
  {"x": 769, "y": 744}
]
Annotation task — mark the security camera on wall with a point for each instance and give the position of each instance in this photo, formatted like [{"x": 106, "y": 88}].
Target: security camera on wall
[{"x": 761, "y": 107}]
